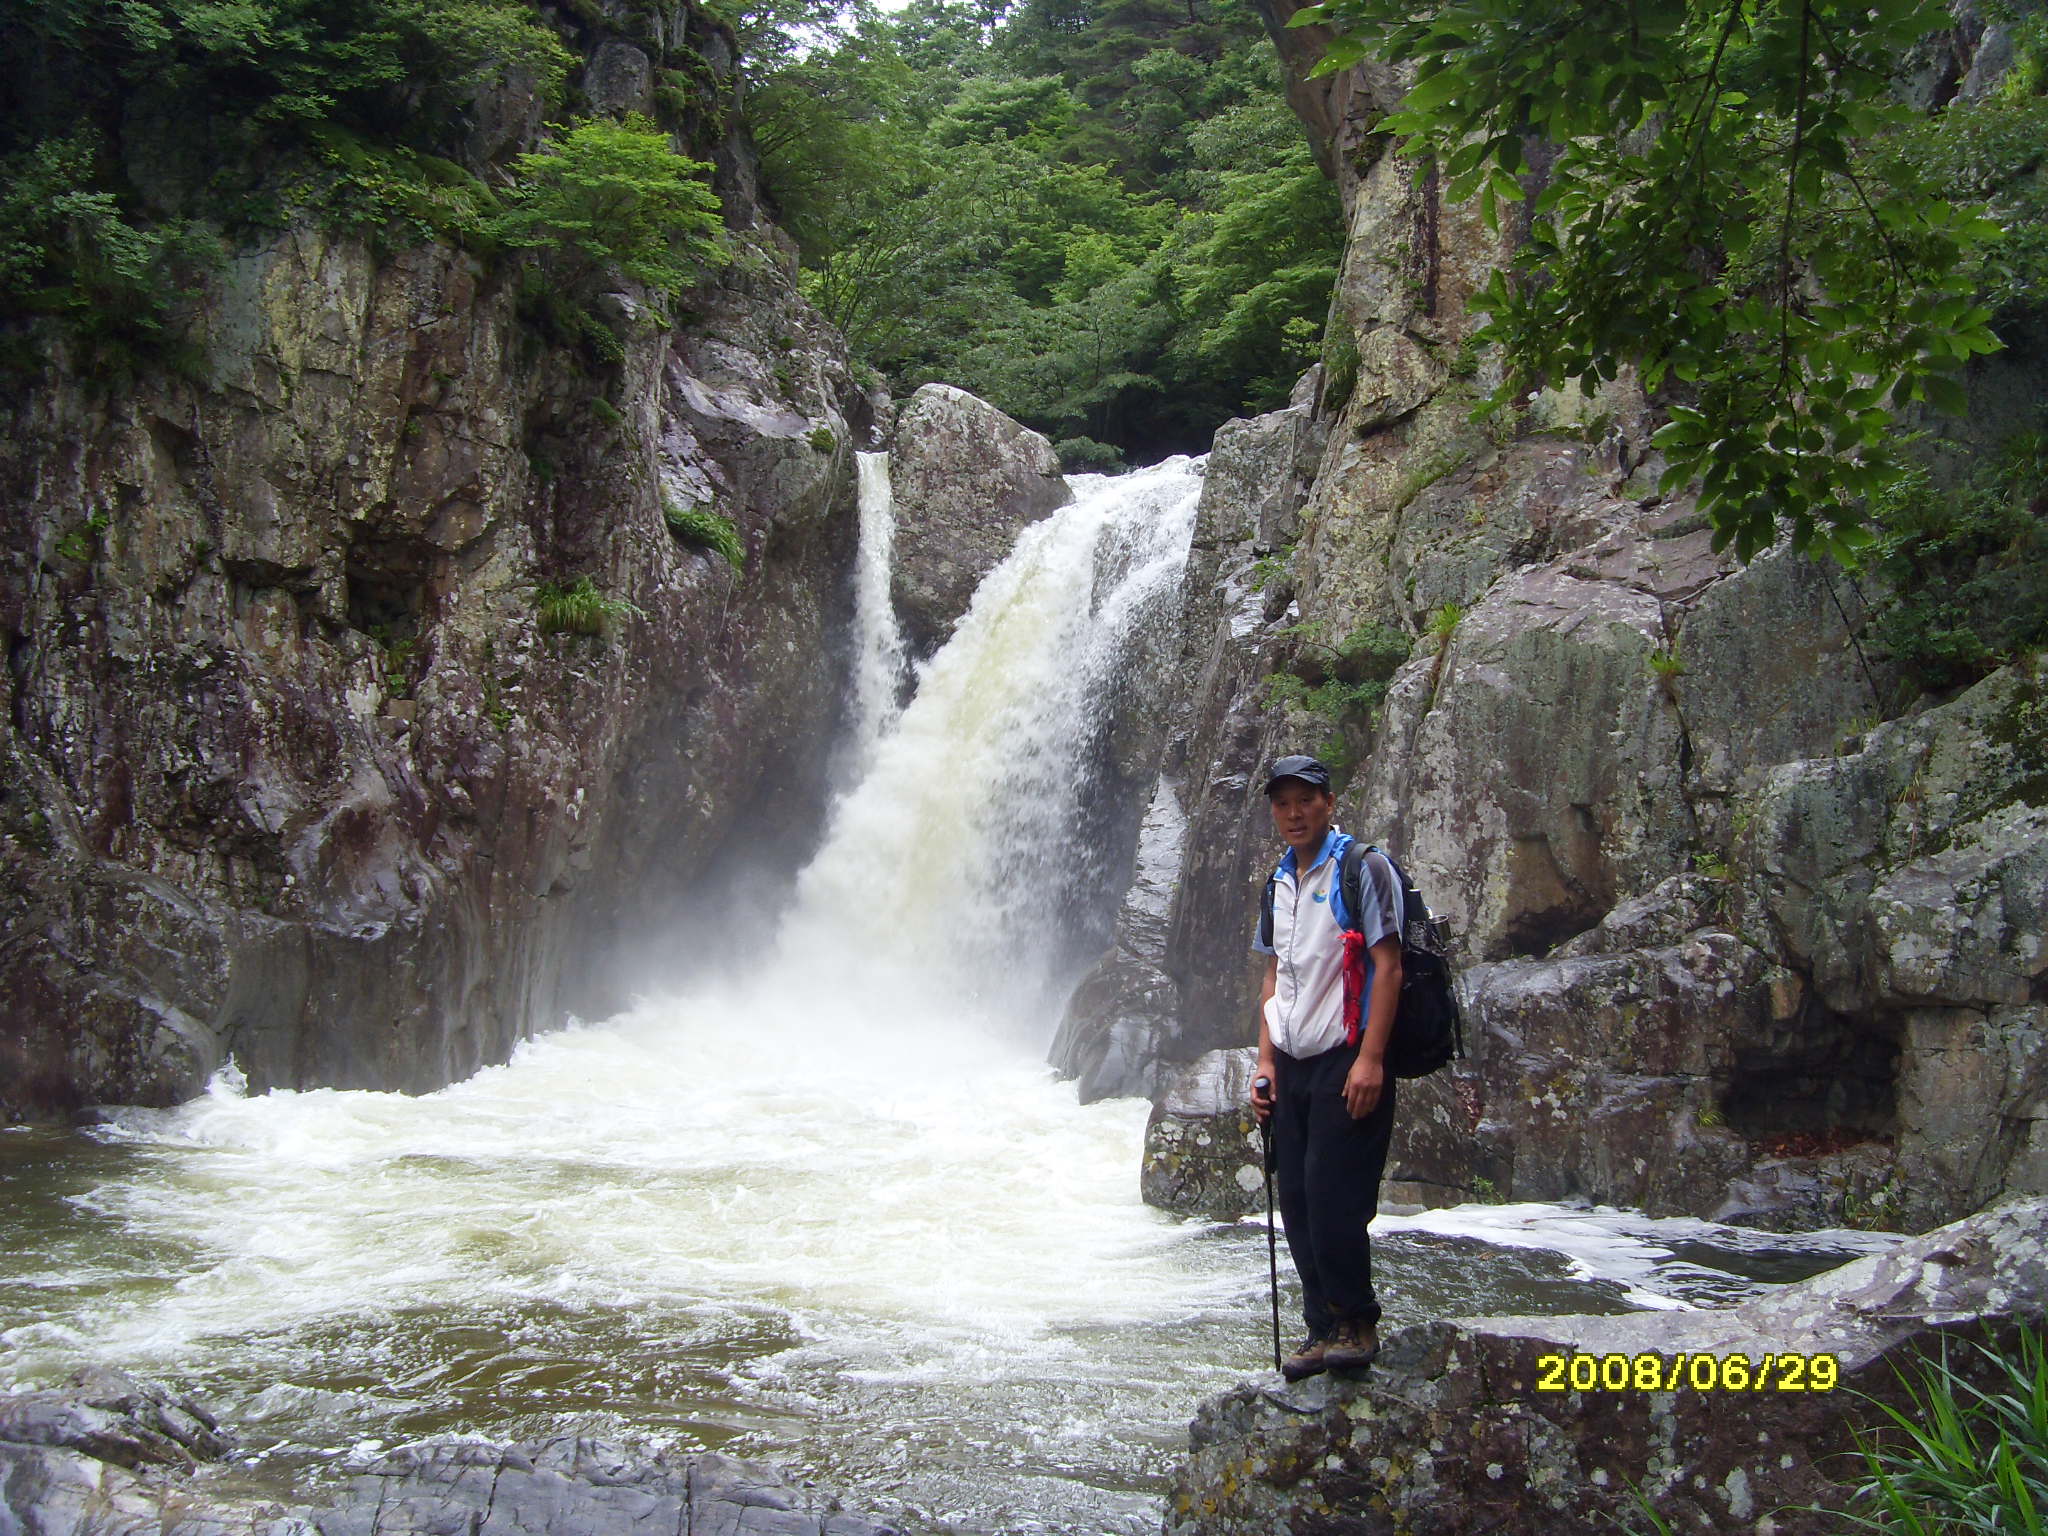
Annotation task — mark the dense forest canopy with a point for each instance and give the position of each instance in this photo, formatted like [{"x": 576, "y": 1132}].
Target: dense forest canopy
[{"x": 1099, "y": 214}]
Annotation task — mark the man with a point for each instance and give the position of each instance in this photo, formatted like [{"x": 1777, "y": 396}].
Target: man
[{"x": 1330, "y": 1099}]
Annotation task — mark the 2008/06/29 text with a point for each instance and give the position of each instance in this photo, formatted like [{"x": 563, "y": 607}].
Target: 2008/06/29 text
[{"x": 1687, "y": 1372}]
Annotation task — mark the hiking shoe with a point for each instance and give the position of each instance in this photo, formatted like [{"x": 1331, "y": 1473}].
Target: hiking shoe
[
  {"x": 1351, "y": 1347},
  {"x": 1306, "y": 1361}
]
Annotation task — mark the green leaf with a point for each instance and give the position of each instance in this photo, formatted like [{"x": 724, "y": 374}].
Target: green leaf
[{"x": 1342, "y": 53}]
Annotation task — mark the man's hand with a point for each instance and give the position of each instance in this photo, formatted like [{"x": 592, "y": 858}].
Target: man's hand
[
  {"x": 1363, "y": 1084},
  {"x": 1262, "y": 1103}
]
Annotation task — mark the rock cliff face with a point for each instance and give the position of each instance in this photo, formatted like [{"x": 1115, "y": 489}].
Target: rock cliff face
[
  {"x": 292, "y": 767},
  {"x": 1731, "y": 948}
]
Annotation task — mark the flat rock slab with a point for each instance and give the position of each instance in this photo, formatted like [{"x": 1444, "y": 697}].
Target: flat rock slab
[
  {"x": 115, "y": 1457},
  {"x": 573, "y": 1487},
  {"x": 1453, "y": 1430}
]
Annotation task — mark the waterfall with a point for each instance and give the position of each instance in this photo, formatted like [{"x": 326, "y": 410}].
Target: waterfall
[
  {"x": 878, "y": 642},
  {"x": 829, "y": 1206},
  {"x": 948, "y": 870}
]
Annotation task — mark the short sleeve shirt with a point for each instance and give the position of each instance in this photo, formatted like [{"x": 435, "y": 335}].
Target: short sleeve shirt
[{"x": 1305, "y": 1015}]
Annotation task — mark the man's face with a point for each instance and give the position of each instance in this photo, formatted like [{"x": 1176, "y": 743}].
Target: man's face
[{"x": 1301, "y": 815}]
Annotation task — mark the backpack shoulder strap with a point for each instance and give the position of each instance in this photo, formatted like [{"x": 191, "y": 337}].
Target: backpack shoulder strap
[
  {"x": 1350, "y": 870},
  {"x": 1413, "y": 909}
]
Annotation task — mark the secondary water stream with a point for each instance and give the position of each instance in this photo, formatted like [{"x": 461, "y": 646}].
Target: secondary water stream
[{"x": 832, "y": 1210}]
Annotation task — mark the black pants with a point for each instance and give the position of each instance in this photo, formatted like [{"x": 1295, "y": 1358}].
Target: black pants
[{"x": 1327, "y": 1167}]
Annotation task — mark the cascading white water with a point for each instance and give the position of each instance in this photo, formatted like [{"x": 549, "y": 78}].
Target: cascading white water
[
  {"x": 948, "y": 868},
  {"x": 878, "y": 657},
  {"x": 840, "y": 1178}
]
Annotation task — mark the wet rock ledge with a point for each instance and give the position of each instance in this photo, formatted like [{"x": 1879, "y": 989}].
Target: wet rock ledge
[
  {"x": 113, "y": 1456},
  {"x": 1448, "y": 1433}
]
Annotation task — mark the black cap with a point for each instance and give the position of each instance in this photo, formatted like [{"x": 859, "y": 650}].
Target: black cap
[{"x": 1306, "y": 769}]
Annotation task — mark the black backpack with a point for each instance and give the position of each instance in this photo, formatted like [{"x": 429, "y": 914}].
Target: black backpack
[{"x": 1428, "y": 1028}]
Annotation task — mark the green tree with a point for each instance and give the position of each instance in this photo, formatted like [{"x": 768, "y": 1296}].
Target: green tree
[
  {"x": 1721, "y": 208},
  {"x": 1260, "y": 265},
  {"x": 616, "y": 197},
  {"x": 67, "y": 250},
  {"x": 1039, "y": 210}
]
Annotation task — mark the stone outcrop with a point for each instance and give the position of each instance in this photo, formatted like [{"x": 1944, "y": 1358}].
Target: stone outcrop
[
  {"x": 118, "y": 1455},
  {"x": 966, "y": 479},
  {"x": 292, "y": 768},
  {"x": 1909, "y": 881},
  {"x": 1204, "y": 1155},
  {"x": 1110, "y": 1040},
  {"x": 1452, "y": 1429}
]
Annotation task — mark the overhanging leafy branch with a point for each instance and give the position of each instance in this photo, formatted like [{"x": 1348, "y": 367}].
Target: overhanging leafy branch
[{"x": 1709, "y": 215}]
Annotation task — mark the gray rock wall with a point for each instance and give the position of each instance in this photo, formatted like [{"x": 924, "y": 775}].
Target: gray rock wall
[
  {"x": 1180, "y": 978},
  {"x": 290, "y": 771},
  {"x": 966, "y": 480},
  {"x": 1729, "y": 949}
]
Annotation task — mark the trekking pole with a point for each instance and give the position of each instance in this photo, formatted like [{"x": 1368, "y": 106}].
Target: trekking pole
[{"x": 1272, "y": 1236}]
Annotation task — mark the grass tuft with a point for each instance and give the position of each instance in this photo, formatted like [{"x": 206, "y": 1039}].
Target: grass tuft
[
  {"x": 1962, "y": 1459},
  {"x": 707, "y": 530},
  {"x": 578, "y": 608}
]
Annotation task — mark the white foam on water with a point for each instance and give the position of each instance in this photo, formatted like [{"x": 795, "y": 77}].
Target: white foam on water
[
  {"x": 1624, "y": 1248},
  {"x": 948, "y": 1196},
  {"x": 859, "y": 1136}
]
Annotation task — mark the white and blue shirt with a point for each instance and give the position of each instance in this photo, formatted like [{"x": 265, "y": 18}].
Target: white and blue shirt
[{"x": 1305, "y": 1015}]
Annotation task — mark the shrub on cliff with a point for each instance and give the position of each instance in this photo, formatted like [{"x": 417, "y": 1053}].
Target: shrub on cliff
[
  {"x": 704, "y": 528},
  {"x": 68, "y": 251},
  {"x": 579, "y": 608},
  {"x": 134, "y": 135},
  {"x": 615, "y": 199}
]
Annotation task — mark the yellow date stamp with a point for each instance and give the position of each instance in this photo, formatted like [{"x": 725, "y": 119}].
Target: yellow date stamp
[{"x": 1702, "y": 1372}]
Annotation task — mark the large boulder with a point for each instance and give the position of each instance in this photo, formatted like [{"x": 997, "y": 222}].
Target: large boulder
[
  {"x": 1529, "y": 774},
  {"x": 1909, "y": 881},
  {"x": 1456, "y": 1429},
  {"x": 1602, "y": 1077},
  {"x": 1259, "y": 473},
  {"x": 966, "y": 479},
  {"x": 1110, "y": 1038},
  {"x": 1204, "y": 1153}
]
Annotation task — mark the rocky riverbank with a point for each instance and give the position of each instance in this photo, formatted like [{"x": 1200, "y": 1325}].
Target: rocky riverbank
[
  {"x": 112, "y": 1454},
  {"x": 1532, "y": 1426}
]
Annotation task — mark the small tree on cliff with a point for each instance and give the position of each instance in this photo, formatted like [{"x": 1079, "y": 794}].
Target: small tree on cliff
[
  {"x": 615, "y": 198},
  {"x": 1725, "y": 206}
]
